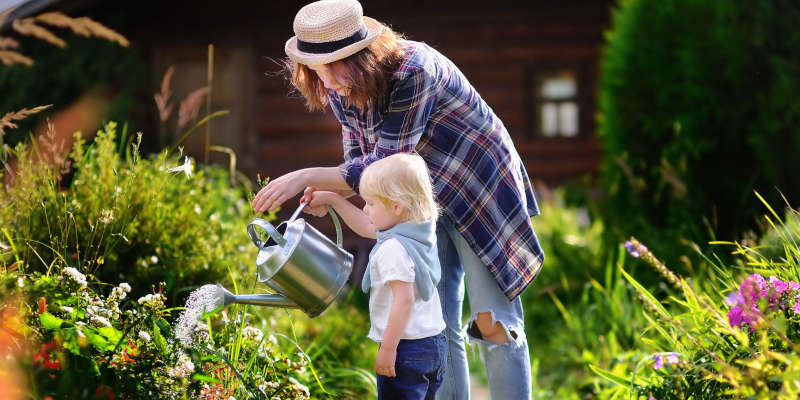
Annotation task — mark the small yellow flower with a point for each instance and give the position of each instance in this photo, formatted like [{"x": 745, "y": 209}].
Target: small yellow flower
[{"x": 100, "y": 260}]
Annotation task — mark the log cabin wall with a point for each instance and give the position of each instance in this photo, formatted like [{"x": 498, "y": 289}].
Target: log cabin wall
[
  {"x": 534, "y": 62},
  {"x": 506, "y": 50}
]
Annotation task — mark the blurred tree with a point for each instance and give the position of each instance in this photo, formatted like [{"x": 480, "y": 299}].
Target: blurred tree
[{"x": 697, "y": 109}]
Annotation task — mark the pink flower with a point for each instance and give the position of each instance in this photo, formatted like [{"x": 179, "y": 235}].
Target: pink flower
[
  {"x": 735, "y": 317},
  {"x": 753, "y": 288},
  {"x": 796, "y": 307},
  {"x": 778, "y": 285}
]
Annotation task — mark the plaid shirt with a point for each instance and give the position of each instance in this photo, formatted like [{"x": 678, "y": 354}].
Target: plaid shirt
[{"x": 478, "y": 177}]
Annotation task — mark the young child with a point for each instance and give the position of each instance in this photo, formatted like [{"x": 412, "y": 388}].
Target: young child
[{"x": 402, "y": 273}]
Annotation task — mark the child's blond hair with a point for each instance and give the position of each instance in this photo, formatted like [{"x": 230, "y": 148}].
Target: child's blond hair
[{"x": 402, "y": 178}]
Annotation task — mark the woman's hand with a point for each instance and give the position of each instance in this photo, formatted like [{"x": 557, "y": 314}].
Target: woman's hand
[
  {"x": 279, "y": 190},
  {"x": 384, "y": 362}
]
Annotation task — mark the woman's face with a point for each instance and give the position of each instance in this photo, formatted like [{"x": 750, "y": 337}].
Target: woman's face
[{"x": 331, "y": 79}]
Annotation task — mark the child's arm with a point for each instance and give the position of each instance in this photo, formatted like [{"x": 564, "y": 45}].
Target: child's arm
[
  {"x": 353, "y": 216},
  {"x": 403, "y": 293}
]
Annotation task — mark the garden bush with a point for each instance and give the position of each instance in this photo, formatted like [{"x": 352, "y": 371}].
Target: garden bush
[
  {"x": 697, "y": 109},
  {"x": 161, "y": 228},
  {"x": 126, "y": 218}
]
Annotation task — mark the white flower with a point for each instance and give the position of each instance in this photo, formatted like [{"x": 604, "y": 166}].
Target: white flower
[
  {"x": 197, "y": 209},
  {"x": 100, "y": 321},
  {"x": 144, "y": 336},
  {"x": 153, "y": 301},
  {"x": 183, "y": 368},
  {"x": 299, "y": 387},
  {"x": 75, "y": 275},
  {"x": 117, "y": 293},
  {"x": 186, "y": 168},
  {"x": 106, "y": 216},
  {"x": 21, "y": 282},
  {"x": 67, "y": 309},
  {"x": 153, "y": 259},
  {"x": 253, "y": 334},
  {"x": 125, "y": 286}
]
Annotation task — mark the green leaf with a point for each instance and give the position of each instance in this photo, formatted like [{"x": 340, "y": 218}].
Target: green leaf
[
  {"x": 166, "y": 330},
  {"x": 205, "y": 378},
  {"x": 619, "y": 380},
  {"x": 50, "y": 321},
  {"x": 110, "y": 333},
  {"x": 158, "y": 339},
  {"x": 70, "y": 341},
  {"x": 96, "y": 340},
  {"x": 644, "y": 292}
]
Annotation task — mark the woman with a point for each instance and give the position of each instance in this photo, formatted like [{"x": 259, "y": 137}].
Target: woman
[{"x": 393, "y": 95}]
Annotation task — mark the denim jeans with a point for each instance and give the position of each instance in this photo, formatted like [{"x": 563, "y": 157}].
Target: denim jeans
[
  {"x": 508, "y": 364},
  {"x": 419, "y": 370}
]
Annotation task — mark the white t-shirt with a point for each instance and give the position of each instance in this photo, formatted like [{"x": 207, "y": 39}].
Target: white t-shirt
[{"x": 391, "y": 262}]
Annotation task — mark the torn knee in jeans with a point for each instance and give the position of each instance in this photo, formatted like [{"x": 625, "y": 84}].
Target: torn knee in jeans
[{"x": 485, "y": 327}]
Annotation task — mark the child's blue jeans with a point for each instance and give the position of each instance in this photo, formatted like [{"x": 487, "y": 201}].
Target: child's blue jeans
[{"x": 419, "y": 369}]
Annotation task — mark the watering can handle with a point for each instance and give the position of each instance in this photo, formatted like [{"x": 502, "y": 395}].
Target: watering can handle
[
  {"x": 337, "y": 225},
  {"x": 273, "y": 233},
  {"x": 335, "y": 219}
]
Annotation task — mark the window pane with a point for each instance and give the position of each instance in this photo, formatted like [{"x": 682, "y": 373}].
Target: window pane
[
  {"x": 568, "y": 118},
  {"x": 549, "y": 119},
  {"x": 562, "y": 87}
]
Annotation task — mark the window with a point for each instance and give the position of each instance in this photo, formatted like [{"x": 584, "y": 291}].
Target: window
[{"x": 558, "y": 109}]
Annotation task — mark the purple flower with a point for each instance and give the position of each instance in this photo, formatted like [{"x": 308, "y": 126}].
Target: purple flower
[
  {"x": 632, "y": 249},
  {"x": 651, "y": 398},
  {"x": 734, "y": 299},
  {"x": 658, "y": 361},
  {"x": 735, "y": 317},
  {"x": 672, "y": 358},
  {"x": 794, "y": 286},
  {"x": 753, "y": 288},
  {"x": 778, "y": 285}
]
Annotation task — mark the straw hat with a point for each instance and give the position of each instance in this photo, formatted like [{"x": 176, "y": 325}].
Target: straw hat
[{"x": 330, "y": 30}]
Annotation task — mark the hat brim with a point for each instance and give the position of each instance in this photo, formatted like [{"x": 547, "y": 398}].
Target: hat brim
[{"x": 374, "y": 29}]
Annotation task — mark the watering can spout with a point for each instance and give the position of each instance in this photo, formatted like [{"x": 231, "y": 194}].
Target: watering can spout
[{"x": 270, "y": 300}]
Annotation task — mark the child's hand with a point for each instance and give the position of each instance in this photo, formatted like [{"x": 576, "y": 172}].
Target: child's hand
[
  {"x": 384, "y": 362},
  {"x": 318, "y": 201}
]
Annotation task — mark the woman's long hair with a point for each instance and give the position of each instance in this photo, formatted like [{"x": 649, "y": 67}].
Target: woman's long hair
[{"x": 368, "y": 73}]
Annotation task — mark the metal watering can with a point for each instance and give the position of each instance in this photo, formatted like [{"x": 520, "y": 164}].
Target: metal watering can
[{"x": 304, "y": 267}]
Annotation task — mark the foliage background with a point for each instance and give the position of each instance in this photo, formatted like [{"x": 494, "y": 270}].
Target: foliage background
[{"x": 697, "y": 109}]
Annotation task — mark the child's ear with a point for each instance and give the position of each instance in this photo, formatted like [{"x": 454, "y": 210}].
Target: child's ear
[{"x": 398, "y": 209}]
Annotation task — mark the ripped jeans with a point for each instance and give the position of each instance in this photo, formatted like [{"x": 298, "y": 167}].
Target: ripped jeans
[{"x": 507, "y": 365}]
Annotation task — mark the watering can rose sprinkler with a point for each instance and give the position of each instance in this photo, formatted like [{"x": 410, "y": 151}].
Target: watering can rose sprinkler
[{"x": 305, "y": 268}]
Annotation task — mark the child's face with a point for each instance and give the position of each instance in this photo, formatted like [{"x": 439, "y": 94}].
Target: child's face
[
  {"x": 331, "y": 78},
  {"x": 383, "y": 216}
]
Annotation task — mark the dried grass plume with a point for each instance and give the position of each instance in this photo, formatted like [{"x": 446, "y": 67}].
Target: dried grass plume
[
  {"x": 190, "y": 106},
  {"x": 28, "y": 26},
  {"x": 7, "y": 120},
  {"x": 162, "y": 98}
]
